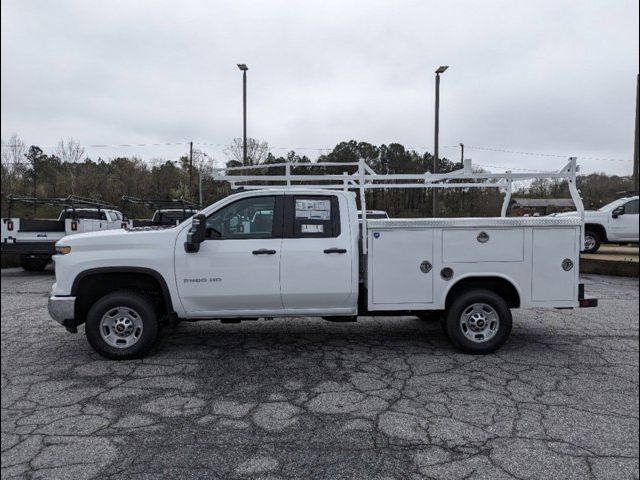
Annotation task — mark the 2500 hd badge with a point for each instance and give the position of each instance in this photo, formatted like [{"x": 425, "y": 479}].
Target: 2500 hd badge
[{"x": 202, "y": 280}]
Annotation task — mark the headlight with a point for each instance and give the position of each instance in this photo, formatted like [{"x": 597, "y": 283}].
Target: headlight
[{"x": 63, "y": 250}]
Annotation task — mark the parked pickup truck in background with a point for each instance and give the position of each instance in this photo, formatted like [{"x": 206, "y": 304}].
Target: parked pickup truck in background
[
  {"x": 34, "y": 239},
  {"x": 296, "y": 252},
  {"x": 616, "y": 222},
  {"x": 166, "y": 213}
]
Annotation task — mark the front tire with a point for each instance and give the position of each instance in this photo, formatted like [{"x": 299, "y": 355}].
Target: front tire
[
  {"x": 122, "y": 325},
  {"x": 478, "y": 322},
  {"x": 592, "y": 242}
]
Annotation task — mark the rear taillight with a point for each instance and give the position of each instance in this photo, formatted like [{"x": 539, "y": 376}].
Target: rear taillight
[
  {"x": 10, "y": 225},
  {"x": 123, "y": 225},
  {"x": 74, "y": 226}
]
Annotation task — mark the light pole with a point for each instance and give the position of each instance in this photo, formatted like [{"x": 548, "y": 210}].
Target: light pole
[
  {"x": 636, "y": 143},
  {"x": 244, "y": 69},
  {"x": 436, "y": 132}
]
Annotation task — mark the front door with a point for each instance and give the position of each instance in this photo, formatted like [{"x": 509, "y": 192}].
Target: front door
[
  {"x": 318, "y": 274},
  {"x": 237, "y": 269},
  {"x": 625, "y": 227}
]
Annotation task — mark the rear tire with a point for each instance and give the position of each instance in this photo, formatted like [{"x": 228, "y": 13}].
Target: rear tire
[
  {"x": 478, "y": 322},
  {"x": 122, "y": 325},
  {"x": 592, "y": 242},
  {"x": 34, "y": 264}
]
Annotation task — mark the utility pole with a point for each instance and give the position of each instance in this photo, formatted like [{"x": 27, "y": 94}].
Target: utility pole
[
  {"x": 244, "y": 69},
  {"x": 190, "y": 168},
  {"x": 636, "y": 147},
  {"x": 35, "y": 180},
  {"x": 436, "y": 133},
  {"x": 462, "y": 154}
]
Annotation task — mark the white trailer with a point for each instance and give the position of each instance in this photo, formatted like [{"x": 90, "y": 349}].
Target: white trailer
[{"x": 299, "y": 248}]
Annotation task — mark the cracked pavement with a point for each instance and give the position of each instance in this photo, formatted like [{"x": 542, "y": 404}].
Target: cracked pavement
[{"x": 384, "y": 398}]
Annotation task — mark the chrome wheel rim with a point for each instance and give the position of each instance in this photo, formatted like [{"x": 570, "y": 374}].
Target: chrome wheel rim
[
  {"x": 479, "y": 322},
  {"x": 121, "y": 327},
  {"x": 589, "y": 242}
]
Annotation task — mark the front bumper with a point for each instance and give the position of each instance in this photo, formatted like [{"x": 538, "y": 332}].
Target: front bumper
[{"x": 62, "y": 310}]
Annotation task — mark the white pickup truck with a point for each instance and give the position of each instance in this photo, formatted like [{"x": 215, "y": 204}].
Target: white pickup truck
[
  {"x": 288, "y": 251},
  {"x": 33, "y": 239},
  {"x": 166, "y": 213},
  {"x": 616, "y": 222}
]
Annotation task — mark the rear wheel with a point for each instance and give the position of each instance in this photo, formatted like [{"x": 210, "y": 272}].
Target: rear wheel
[
  {"x": 591, "y": 242},
  {"x": 478, "y": 321},
  {"x": 34, "y": 263},
  {"x": 122, "y": 325}
]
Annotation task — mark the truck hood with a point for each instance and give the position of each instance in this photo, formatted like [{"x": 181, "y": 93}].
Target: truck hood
[{"x": 117, "y": 238}]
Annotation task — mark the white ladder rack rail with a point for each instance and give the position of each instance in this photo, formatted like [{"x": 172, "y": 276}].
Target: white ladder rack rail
[{"x": 364, "y": 178}]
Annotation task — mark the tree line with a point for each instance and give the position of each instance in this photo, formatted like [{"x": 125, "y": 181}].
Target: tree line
[{"x": 68, "y": 170}]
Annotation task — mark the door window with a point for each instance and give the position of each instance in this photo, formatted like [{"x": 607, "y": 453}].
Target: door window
[
  {"x": 631, "y": 208},
  {"x": 248, "y": 218},
  {"x": 314, "y": 216}
]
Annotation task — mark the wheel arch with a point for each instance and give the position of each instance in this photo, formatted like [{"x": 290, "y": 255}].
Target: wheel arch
[
  {"x": 94, "y": 283},
  {"x": 496, "y": 282},
  {"x": 597, "y": 228}
]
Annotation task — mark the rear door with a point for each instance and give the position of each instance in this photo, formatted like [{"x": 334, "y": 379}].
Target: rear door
[{"x": 317, "y": 269}]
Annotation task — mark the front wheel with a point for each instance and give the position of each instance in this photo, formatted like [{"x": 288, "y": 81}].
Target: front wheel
[
  {"x": 478, "y": 321},
  {"x": 122, "y": 325},
  {"x": 591, "y": 242}
]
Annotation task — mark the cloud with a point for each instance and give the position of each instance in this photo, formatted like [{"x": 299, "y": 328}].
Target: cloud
[{"x": 547, "y": 76}]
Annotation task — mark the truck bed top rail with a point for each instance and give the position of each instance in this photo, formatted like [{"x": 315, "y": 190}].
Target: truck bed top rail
[
  {"x": 365, "y": 178},
  {"x": 157, "y": 204},
  {"x": 71, "y": 202}
]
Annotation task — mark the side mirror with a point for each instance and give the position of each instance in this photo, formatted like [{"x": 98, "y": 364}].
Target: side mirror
[
  {"x": 197, "y": 234},
  {"x": 617, "y": 211}
]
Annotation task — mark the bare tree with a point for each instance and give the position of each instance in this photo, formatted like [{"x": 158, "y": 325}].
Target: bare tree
[
  {"x": 257, "y": 151},
  {"x": 13, "y": 151},
  {"x": 71, "y": 153},
  {"x": 14, "y": 164}
]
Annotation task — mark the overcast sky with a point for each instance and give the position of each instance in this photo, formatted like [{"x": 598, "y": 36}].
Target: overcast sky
[{"x": 553, "y": 77}]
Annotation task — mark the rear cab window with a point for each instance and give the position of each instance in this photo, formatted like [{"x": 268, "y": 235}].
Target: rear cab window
[{"x": 312, "y": 216}]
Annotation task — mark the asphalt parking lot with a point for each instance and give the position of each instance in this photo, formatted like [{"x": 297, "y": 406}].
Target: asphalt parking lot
[{"x": 383, "y": 398}]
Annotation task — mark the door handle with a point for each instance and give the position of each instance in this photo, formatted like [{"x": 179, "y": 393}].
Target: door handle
[
  {"x": 335, "y": 250},
  {"x": 264, "y": 251}
]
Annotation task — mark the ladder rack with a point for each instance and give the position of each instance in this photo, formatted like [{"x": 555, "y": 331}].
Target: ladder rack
[{"x": 365, "y": 178}]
